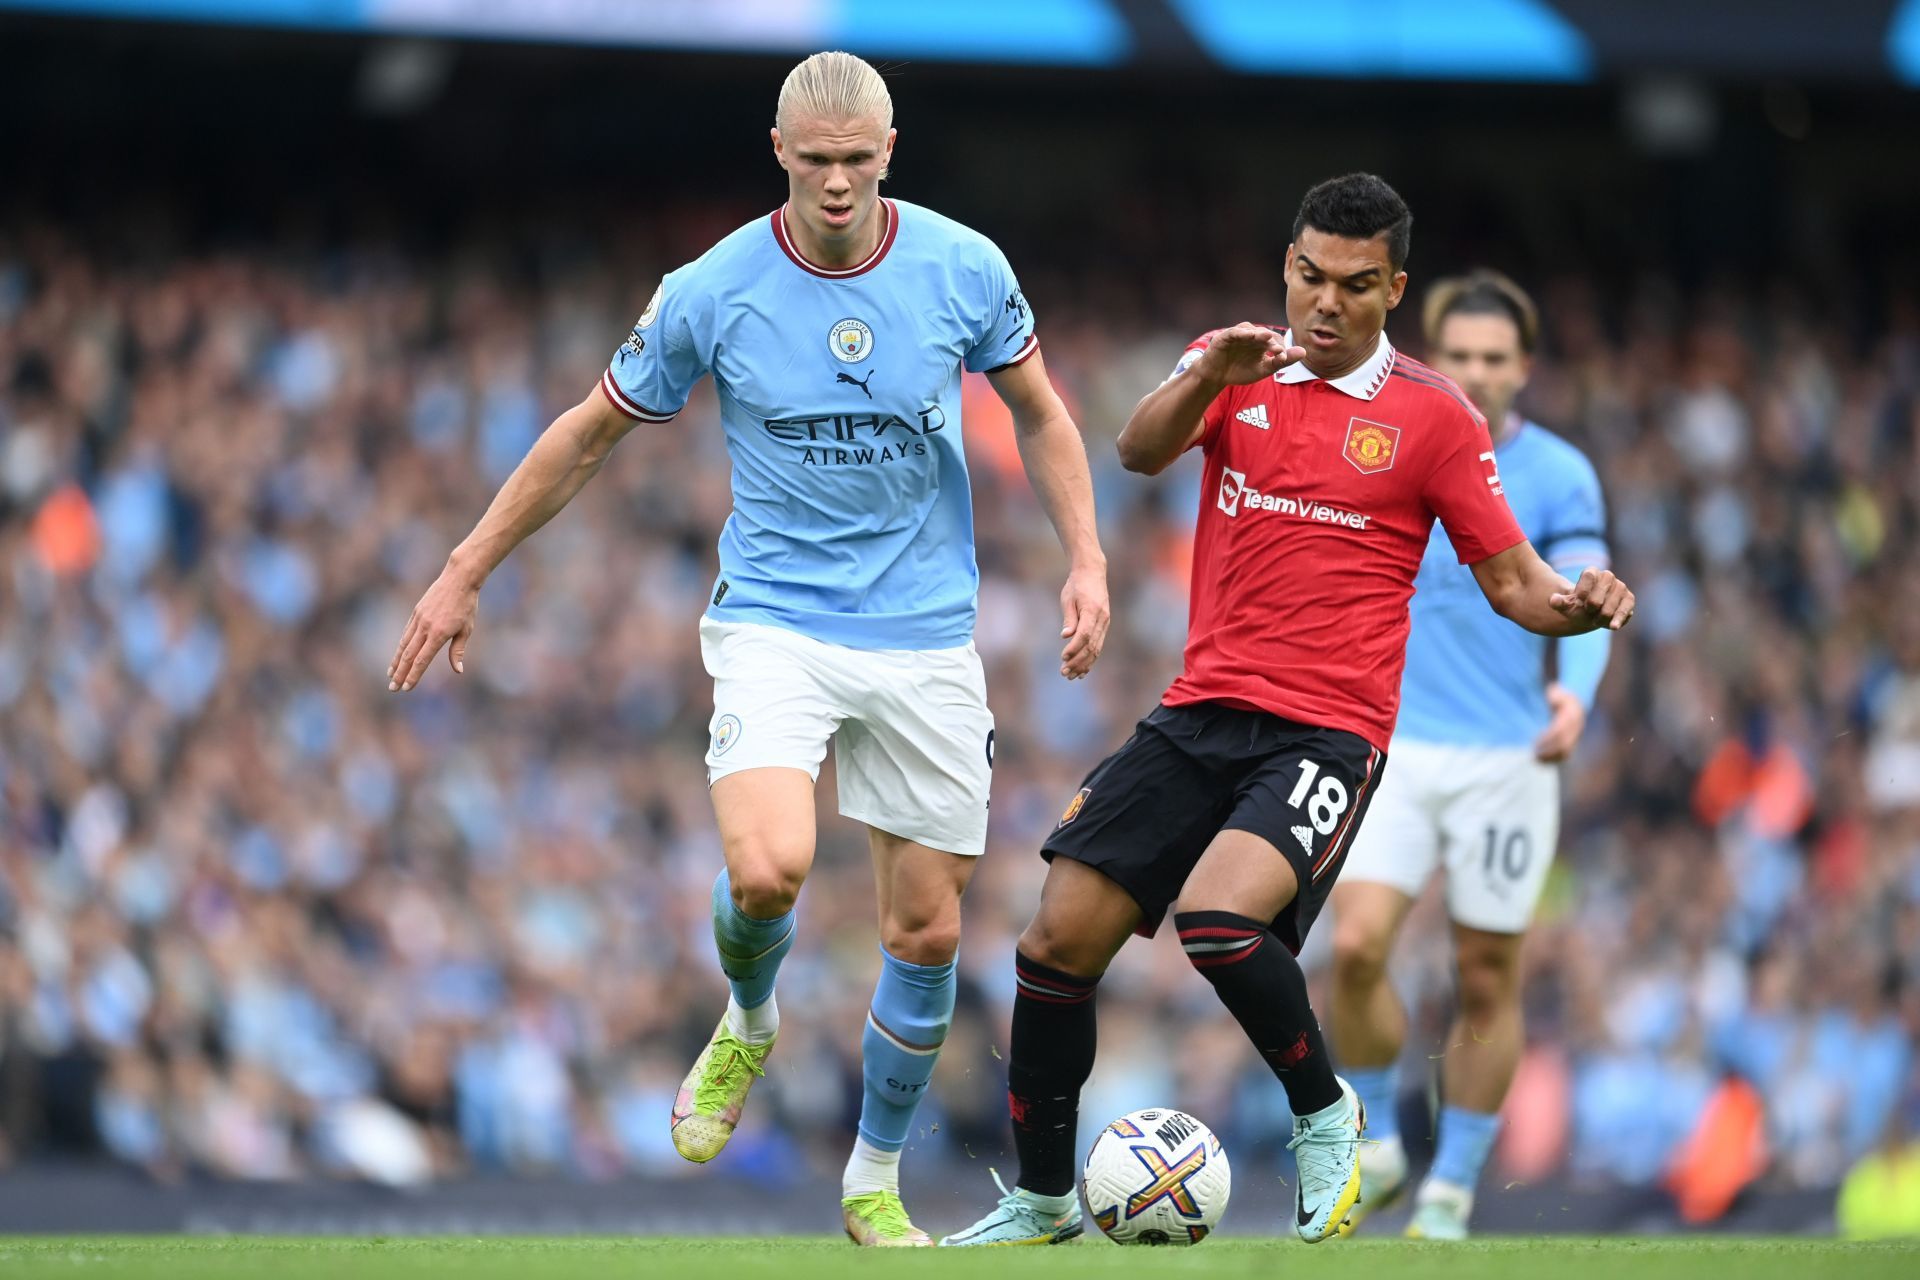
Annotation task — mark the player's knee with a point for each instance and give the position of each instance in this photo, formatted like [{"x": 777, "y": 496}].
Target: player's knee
[
  {"x": 1205, "y": 892},
  {"x": 1360, "y": 953},
  {"x": 922, "y": 928},
  {"x": 1239, "y": 874},
  {"x": 1050, "y": 942},
  {"x": 1191, "y": 900},
  {"x": 766, "y": 879},
  {"x": 766, "y": 893},
  {"x": 934, "y": 940},
  {"x": 1489, "y": 978}
]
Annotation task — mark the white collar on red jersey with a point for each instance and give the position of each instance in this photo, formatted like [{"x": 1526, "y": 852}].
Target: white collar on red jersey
[{"x": 1363, "y": 383}]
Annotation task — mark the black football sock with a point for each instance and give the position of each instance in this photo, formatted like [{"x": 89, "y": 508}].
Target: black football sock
[
  {"x": 1051, "y": 1058},
  {"x": 1260, "y": 982}
]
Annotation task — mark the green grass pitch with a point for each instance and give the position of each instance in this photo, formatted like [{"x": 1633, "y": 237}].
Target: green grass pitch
[{"x": 1529, "y": 1258}]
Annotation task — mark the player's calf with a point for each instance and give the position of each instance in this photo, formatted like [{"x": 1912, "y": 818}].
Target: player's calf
[
  {"x": 707, "y": 1108},
  {"x": 912, "y": 1008},
  {"x": 1368, "y": 1026},
  {"x": 1368, "y": 1023},
  {"x": 1260, "y": 983},
  {"x": 1488, "y": 1034},
  {"x": 907, "y": 1022},
  {"x": 1049, "y": 1060}
]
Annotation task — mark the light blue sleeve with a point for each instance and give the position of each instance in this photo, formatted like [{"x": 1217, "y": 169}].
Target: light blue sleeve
[
  {"x": 1576, "y": 539},
  {"x": 1582, "y": 661},
  {"x": 1006, "y": 334},
  {"x": 1576, "y": 532},
  {"x": 654, "y": 370}
]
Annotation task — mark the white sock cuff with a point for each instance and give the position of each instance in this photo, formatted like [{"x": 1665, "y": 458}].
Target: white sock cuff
[
  {"x": 756, "y": 1025},
  {"x": 870, "y": 1169}
]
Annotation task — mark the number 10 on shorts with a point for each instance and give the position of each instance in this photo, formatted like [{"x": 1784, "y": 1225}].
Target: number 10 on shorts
[{"x": 1324, "y": 806}]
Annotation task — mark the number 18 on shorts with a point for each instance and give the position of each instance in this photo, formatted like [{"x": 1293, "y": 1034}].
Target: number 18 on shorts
[{"x": 1148, "y": 811}]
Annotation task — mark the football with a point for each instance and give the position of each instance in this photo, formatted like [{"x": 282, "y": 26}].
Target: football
[{"x": 1157, "y": 1177}]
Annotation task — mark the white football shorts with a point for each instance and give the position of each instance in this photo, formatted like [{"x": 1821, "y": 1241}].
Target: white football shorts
[
  {"x": 911, "y": 733},
  {"x": 1493, "y": 814}
]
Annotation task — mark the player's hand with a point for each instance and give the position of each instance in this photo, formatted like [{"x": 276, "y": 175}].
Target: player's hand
[
  {"x": 1568, "y": 722},
  {"x": 1599, "y": 600},
  {"x": 1247, "y": 353},
  {"x": 445, "y": 614},
  {"x": 1085, "y": 616}
]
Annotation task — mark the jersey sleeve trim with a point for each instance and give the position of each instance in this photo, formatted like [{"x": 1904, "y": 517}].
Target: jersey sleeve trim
[
  {"x": 1025, "y": 353},
  {"x": 1573, "y": 535},
  {"x": 628, "y": 405}
]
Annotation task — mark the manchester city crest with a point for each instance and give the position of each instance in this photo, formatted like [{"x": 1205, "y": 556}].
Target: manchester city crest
[
  {"x": 726, "y": 732},
  {"x": 851, "y": 340},
  {"x": 637, "y": 341}
]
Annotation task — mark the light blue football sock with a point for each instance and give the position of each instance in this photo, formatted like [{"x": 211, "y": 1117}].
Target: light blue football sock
[
  {"x": 912, "y": 1009},
  {"x": 1378, "y": 1089},
  {"x": 1466, "y": 1137},
  {"x": 750, "y": 950}
]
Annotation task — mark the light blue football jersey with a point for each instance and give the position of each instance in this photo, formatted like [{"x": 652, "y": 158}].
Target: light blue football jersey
[
  {"x": 840, "y": 399},
  {"x": 1472, "y": 677}
]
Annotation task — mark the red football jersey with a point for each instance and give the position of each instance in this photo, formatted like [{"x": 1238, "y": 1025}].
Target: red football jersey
[{"x": 1318, "y": 500}]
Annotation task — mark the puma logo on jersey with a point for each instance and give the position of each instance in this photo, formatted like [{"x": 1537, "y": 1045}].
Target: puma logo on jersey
[
  {"x": 1254, "y": 417},
  {"x": 861, "y": 383}
]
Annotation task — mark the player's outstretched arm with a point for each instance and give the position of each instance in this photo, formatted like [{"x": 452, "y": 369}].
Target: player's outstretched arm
[
  {"x": 563, "y": 459},
  {"x": 1170, "y": 418},
  {"x": 1056, "y": 462},
  {"x": 1524, "y": 589}
]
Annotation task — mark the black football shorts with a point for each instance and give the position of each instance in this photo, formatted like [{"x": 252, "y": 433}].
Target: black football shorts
[{"x": 1148, "y": 811}]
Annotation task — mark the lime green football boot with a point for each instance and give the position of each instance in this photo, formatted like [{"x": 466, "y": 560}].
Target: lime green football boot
[
  {"x": 878, "y": 1219},
  {"x": 714, "y": 1093}
]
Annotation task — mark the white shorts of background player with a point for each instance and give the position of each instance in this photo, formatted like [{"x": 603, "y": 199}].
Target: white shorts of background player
[{"x": 1491, "y": 814}]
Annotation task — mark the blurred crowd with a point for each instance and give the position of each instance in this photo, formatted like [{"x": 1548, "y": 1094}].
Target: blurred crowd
[{"x": 261, "y": 919}]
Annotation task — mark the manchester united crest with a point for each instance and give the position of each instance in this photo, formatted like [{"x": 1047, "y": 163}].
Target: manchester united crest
[
  {"x": 1074, "y": 805},
  {"x": 1371, "y": 445}
]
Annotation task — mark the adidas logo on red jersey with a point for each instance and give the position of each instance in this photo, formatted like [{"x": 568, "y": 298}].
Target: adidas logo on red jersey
[{"x": 1254, "y": 417}]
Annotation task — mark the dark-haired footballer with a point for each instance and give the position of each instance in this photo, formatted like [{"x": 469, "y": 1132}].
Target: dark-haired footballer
[{"x": 1328, "y": 457}]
